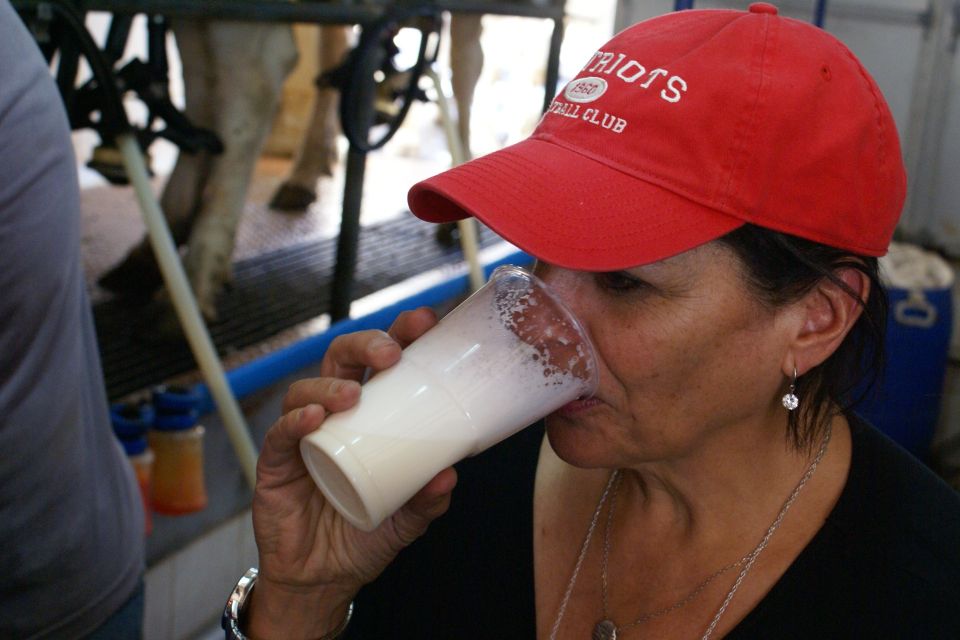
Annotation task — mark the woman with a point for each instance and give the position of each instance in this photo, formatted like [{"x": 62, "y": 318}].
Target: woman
[{"x": 709, "y": 196}]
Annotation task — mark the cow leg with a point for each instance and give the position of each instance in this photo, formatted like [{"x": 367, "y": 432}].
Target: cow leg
[
  {"x": 138, "y": 275},
  {"x": 251, "y": 62},
  {"x": 183, "y": 193},
  {"x": 466, "y": 63},
  {"x": 318, "y": 152}
]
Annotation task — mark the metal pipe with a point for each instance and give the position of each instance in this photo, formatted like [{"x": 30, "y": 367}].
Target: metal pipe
[
  {"x": 860, "y": 11},
  {"x": 360, "y": 108},
  {"x": 553, "y": 63},
  {"x": 285, "y": 11},
  {"x": 820, "y": 13},
  {"x": 349, "y": 238},
  {"x": 243, "y": 10},
  {"x": 186, "y": 307},
  {"x": 864, "y": 11},
  {"x": 877, "y": 14}
]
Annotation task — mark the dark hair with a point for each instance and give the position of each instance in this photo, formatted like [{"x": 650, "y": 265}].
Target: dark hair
[{"x": 781, "y": 269}]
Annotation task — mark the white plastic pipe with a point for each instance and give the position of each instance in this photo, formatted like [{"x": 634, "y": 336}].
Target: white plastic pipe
[
  {"x": 467, "y": 227},
  {"x": 186, "y": 307}
]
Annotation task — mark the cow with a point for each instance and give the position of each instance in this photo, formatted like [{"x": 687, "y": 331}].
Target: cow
[
  {"x": 233, "y": 74},
  {"x": 317, "y": 155}
]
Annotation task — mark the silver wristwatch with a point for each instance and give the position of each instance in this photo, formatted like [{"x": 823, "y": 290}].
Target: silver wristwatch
[{"x": 237, "y": 602}]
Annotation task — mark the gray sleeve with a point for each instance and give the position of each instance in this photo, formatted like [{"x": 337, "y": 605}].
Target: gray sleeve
[{"x": 71, "y": 524}]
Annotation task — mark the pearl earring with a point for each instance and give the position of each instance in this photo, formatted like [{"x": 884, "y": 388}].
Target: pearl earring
[{"x": 790, "y": 400}]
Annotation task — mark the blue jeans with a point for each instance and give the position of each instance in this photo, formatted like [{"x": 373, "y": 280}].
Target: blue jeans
[{"x": 126, "y": 623}]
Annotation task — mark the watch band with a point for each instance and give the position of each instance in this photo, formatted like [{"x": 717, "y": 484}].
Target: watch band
[{"x": 237, "y": 603}]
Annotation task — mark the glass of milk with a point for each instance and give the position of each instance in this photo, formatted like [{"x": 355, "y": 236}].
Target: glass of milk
[{"x": 506, "y": 357}]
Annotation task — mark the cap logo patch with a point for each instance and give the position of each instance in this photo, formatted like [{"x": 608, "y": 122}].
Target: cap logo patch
[{"x": 585, "y": 89}]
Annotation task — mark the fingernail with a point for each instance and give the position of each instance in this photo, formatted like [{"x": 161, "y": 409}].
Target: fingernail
[
  {"x": 339, "y": 387},
  {"x": 382, "y": 342}
]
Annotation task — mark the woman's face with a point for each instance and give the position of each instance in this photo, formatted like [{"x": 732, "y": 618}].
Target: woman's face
[{"x": 685, "y": 352}]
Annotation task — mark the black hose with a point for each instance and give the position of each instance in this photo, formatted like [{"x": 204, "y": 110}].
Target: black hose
[
  {"x": 357, "y": 91},
  {"x": 113, "y": 117}
]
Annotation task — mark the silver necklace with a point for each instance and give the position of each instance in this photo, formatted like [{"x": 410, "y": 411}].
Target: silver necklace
[
  {"x": 606, "y": 629},
  {"x": 607, "y": 623}
]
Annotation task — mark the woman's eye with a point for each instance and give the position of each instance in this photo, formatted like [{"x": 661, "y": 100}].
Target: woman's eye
[{"x": 619, "y": 282}]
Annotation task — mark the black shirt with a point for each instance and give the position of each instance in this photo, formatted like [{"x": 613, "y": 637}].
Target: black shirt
[{"x": 886, "y": 563}]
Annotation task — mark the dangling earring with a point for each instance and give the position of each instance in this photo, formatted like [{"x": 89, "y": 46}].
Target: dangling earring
[{"x": 790, "y": 400}]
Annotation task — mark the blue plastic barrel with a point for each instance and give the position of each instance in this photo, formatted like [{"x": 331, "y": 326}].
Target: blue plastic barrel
[{"x": 906, "y": 402}]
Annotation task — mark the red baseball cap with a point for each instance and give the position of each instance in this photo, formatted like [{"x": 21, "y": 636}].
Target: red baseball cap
[{"x": 681, "y": 129}]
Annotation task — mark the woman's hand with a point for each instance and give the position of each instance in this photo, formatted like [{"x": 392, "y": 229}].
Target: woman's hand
[{"x": 312, "y": 561}]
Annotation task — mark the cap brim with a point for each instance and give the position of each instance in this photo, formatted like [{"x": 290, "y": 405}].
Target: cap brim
[{"x": 567, "y": 209}]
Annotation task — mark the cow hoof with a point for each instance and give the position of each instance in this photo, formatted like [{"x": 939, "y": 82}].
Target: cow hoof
[
  {"x": 291, "y": 197},
  {"x": 137, "y": 278},
  {"x": 160, "y": 325}
]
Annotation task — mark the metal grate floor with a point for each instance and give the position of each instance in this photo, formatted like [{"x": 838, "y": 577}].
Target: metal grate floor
[{"x": 271, "y": 292}]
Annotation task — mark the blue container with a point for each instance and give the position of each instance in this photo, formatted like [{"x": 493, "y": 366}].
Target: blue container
[
  {"x": 175, "y": 399},
  {"x": 131, "y": 420},
  {"x": 905, "y": 403},
  {"x": 134, "y": 447}
]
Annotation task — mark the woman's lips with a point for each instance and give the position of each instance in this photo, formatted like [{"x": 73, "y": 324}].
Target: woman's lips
[{"x": 578, "y": 406}]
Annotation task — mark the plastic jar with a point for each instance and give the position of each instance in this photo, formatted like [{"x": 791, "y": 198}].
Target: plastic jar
[
  {"x": 175, "y": 399},
  {"x": 141, "y": 458},
  {"x": 178, "y": 483}
]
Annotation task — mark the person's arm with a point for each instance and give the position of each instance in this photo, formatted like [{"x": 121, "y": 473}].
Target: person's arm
[{"x": 312, "y": 561}]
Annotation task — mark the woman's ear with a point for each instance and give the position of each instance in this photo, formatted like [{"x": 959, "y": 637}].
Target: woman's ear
[{"x": 827, "y": 313}]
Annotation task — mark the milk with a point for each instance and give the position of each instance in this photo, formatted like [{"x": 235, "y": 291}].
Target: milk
[{"x": 487, "y": 370}]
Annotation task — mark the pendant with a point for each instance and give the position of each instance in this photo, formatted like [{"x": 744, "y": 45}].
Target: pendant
[{"x": 605, "y": 630}]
